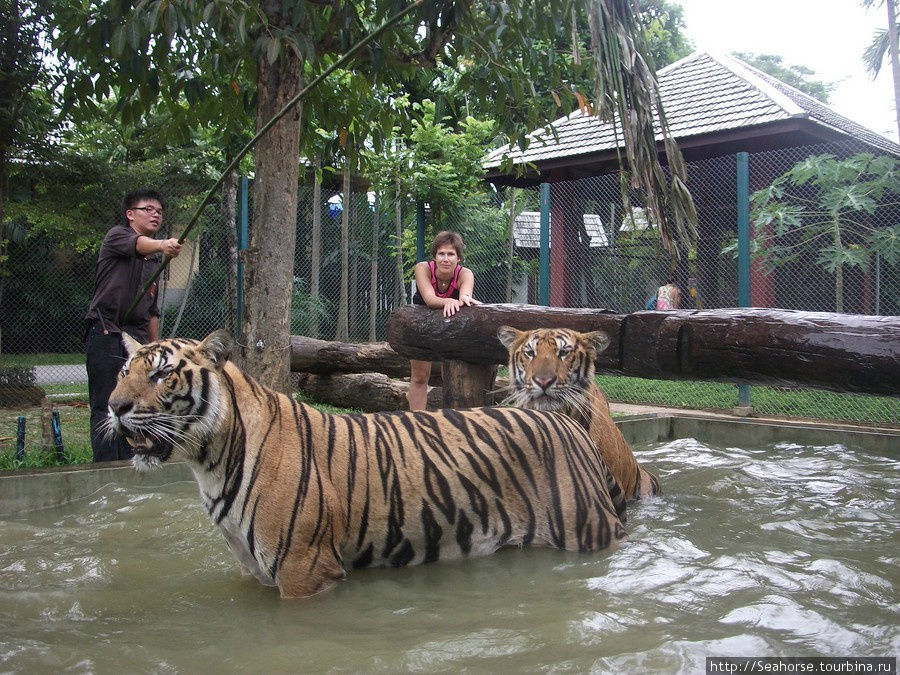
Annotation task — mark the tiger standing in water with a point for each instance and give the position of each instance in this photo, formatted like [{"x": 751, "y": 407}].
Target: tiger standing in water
[
  {"x": 299, "y": 494},
  {"x": 553, "y": 369}
]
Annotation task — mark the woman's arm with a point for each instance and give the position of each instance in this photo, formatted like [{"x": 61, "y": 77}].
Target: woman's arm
[
  {"x": 466, "y": 286},
  {"x": 449, "y": 305},
  {"x": 423, "y": 285}
]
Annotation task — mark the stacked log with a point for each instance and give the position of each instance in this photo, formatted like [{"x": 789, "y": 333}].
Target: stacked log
[
  {"x": 839, "y": 352},
  {"x": 369, "y": 392}
]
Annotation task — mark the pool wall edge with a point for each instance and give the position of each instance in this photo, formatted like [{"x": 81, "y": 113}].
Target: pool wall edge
[{"x": 23, "y": 491}]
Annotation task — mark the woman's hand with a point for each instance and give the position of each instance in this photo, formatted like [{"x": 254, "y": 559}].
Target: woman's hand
[
  {"x": 451, "y": 306},
  {"x": 468, "y": 300}
]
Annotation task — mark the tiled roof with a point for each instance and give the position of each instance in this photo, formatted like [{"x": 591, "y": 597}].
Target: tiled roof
[
  {"x": 702, "y": 94},
  {"x": 527, "y": 230}
]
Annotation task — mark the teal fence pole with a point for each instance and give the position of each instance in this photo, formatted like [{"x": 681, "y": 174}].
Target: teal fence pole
[
  {"x": 743, "y": 227},
  {"x": 20, "y": 438},
  {"x": 544, "y": 258},
  {"x": 57, "y": 436},
  {"x": 420, "y": 231},
  {"x": 242, "y": 234}
]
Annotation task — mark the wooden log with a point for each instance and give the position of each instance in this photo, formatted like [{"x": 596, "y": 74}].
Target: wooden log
[
  {"x": 46, "y": 425},
  {"x": 369, "y": 392},
  {"x": 323, "y": 357},
  {"x": 471, "y": 335},
  {"x": 841, "y": 352},
  {"x": 467, "y": 385}
]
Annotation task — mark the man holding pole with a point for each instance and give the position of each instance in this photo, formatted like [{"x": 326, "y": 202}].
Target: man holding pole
[{"x": 128, "y": 258}]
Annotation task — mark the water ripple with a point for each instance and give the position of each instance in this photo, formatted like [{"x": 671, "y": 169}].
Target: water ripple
[{"x": 779, "y": 550}]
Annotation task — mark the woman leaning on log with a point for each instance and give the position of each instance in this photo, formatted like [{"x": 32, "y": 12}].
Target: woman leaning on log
[{"x": 441, "y": 283}]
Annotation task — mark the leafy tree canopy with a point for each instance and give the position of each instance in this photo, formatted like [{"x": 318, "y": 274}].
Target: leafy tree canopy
[
  {"x": 663, "y": 26},
  {"x": 799, "y": 77},
  {"x": 831, "y": 210}
]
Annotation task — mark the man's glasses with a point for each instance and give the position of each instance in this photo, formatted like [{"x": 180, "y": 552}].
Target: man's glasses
[{"x": 147, "y": 209}]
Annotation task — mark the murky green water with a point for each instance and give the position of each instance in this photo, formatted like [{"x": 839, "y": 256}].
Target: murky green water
[{"x": 789, "y": 550}]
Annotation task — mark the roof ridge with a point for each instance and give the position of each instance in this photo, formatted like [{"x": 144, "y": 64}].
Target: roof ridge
[
  {"x": 680, "y": 62},
  {"x": 757, "y": 79}
]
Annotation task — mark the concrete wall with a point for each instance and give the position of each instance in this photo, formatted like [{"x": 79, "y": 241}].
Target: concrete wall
[{"x": 46, "y": 488}]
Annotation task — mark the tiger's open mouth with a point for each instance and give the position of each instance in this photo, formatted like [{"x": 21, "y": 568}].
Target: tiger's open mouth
[{"x": 148, "y": 445}]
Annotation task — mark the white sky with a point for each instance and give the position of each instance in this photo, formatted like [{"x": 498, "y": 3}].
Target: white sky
[{"x": 827, "y": 36}]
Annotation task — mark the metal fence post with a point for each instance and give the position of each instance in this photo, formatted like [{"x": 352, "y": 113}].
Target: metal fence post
[
  {"x": 243, "y": 227},
  {"x": 57, "y": 437},
  {"x": 743, "y": 227},
  {"x": 20, "y": 438},
  {"x": 544, "y": 258},
  {"x": 420, "y": 231}
]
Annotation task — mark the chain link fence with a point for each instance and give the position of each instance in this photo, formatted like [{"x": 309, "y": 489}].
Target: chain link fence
[{"x": 355, "y": 252}]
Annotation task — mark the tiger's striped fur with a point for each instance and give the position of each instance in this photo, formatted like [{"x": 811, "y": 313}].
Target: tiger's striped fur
[
  {"x": 553, "y": 369},
  {"x": 299, "y": 494}
]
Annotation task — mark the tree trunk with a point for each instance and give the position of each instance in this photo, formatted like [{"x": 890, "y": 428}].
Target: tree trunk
[
  {"x": 895, "y": 58},
  {"x": 398, "y": 232},
  {"x": 353, "y": 290},
  {"x": 228, "y": 209},
  {"x": 268, "y": 281},
  {"x": 373, "y": 273},
  {"x": 3, "y": 245},
  {"x": 341, "y": 332},
  {"x": 511, "y": 250},
  {"x": 316, "y": 250},
  {"x": 369, "y": 392}
]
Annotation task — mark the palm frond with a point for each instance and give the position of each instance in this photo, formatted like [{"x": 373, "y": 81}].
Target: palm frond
[{"x": 627, "y": 94}]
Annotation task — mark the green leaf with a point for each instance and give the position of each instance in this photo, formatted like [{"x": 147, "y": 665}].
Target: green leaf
[
  {"x": 117, "y": 44},
  {"x": 272, "y": 50}
]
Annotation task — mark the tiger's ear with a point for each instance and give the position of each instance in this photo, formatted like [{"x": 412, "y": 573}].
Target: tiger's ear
[
  {"x": 217, "y": 347},
  {"x": 131, "y": 345},
  {"x": 597, "y": 339},
  {"x": 507, "y": 335}
]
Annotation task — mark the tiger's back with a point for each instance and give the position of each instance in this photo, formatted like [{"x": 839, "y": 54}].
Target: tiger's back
[
  {"x": 448, "y": 484},
  {"x": 299, "y": 494},
  {"x": 553, "y": 369}
]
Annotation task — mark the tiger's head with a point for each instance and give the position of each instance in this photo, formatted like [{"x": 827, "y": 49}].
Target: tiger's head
[
  {"x": 551, "y": 368},
  {"x": 168, "y": 396}
]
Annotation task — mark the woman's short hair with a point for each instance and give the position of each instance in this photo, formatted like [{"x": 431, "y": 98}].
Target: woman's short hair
[{"x": 446, "y": 238}]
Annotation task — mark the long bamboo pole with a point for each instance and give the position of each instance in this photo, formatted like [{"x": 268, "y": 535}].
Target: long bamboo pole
[{"x": 349, "y": 54}]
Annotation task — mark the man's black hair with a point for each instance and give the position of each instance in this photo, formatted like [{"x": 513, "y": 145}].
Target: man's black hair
[{"x": 135, "y": 196}]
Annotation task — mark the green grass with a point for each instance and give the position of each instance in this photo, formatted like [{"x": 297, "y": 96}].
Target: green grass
[
  {"x": 75, "y": 415},
  {"x": 769, "y": 401},
  {"x": 67, "y": 391},
  {"x": 74, "y": 423},
  {"x": 324, "y": 407},
  {"x": 42, "y": 359}
]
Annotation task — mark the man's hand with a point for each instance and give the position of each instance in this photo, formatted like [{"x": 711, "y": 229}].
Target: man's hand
[{"x": 170, "y": 247}]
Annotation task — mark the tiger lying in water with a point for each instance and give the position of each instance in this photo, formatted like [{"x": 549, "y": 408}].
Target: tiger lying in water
[
  {"x": 553, "y": 369},
  {"x": 298, "y": 494}
]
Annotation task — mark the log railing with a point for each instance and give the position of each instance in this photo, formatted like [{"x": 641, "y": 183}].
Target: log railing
[{"x": 839, "y": 352}]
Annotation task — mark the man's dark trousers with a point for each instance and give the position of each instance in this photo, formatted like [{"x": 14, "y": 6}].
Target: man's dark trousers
[{"x": 105, "y": 356}]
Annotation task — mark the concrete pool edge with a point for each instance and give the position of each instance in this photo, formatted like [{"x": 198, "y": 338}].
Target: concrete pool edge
[{"x": 24, "y": 491}]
